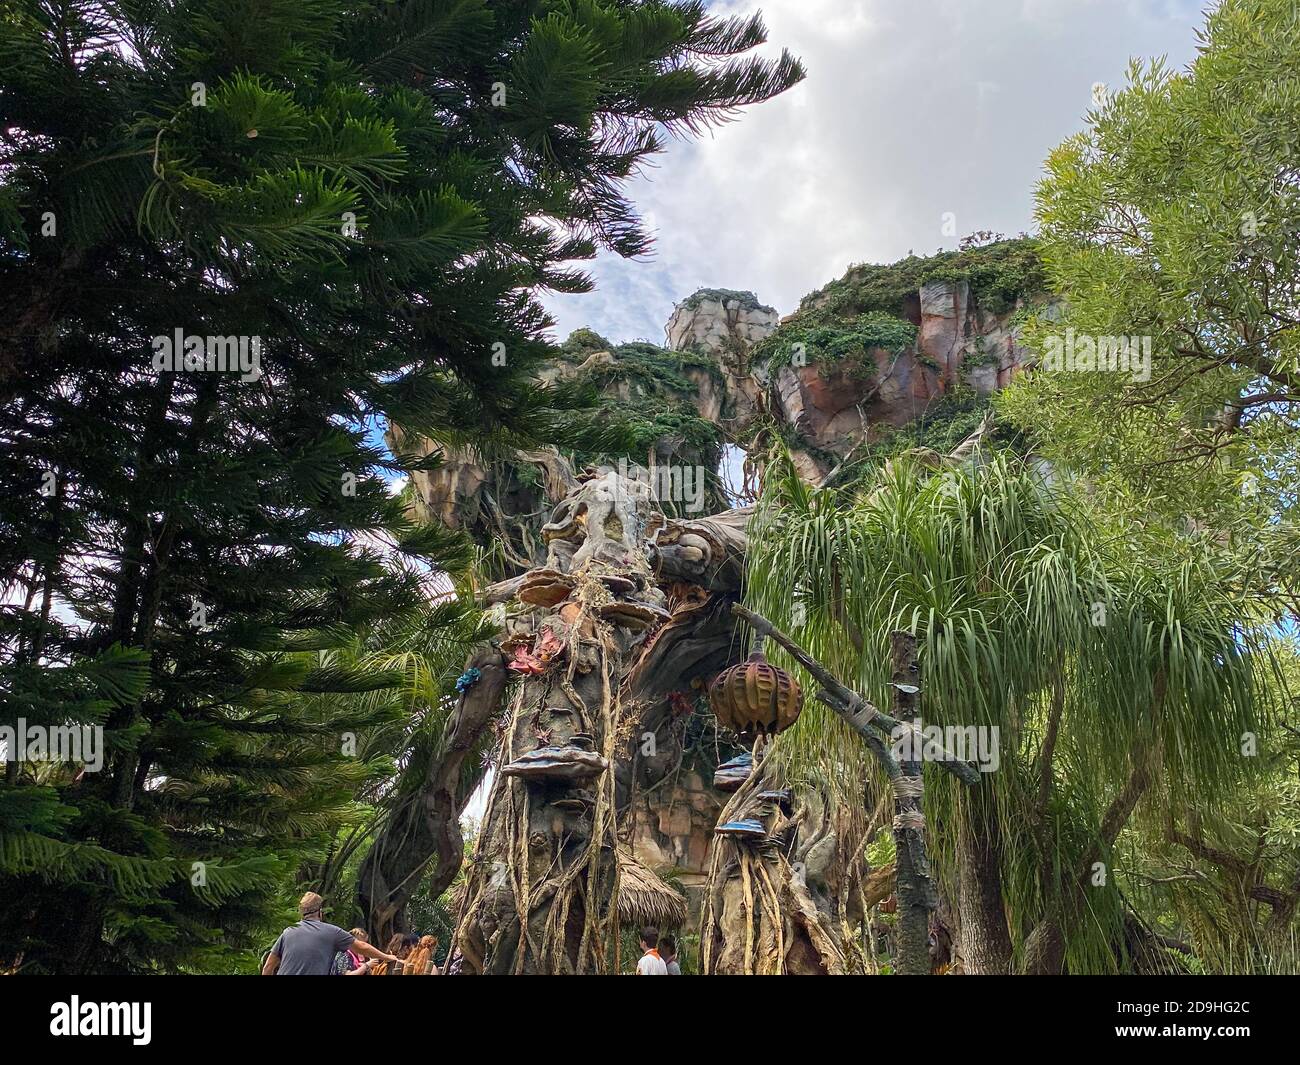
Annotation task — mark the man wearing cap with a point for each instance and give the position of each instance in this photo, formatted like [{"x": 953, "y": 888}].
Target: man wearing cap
[{"x": 308, "y": 948}]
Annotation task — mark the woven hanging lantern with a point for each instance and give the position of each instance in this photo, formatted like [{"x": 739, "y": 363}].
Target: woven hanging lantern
[{"x": 755, "y": 698}]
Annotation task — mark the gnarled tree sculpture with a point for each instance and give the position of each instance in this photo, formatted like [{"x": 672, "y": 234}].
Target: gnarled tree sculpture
[
  {"x": 542, "y": 889},
  {"x": 630, "y": 612}
]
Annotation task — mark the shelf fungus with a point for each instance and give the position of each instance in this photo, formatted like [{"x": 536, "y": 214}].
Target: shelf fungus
[
  {"x": 730, "y": 775},
  {"x": 617, "y": 584},
  {"x": 545, "y": 587},
  {"x": 755, "y": 698},
  {"x": 633, "y": 616},
  {"x": 744, "y": 829},
  {"x": 781, "y": 798},
  {"x": 557, "y": 763}
]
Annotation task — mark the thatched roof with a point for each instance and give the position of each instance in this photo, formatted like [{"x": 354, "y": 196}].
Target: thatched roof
[{"x": 643, "y": 898}]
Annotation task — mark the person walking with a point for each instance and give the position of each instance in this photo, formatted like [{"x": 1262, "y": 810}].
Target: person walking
[
  {"x": 650, "y": 964},
  {"x": 308, "y": 948}
]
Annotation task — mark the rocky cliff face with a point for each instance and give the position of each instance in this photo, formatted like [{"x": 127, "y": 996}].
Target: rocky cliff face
[
  {"x": 870, "y": 353},
  {"x": 834, "y": 404},
  {"x": 720, "y": 320},
  {"x": 725, "y": 324},
  {"x": 672, "y": 829}
]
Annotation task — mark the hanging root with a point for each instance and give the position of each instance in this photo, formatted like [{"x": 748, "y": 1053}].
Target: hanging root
[{"x": 758, "y": 918}]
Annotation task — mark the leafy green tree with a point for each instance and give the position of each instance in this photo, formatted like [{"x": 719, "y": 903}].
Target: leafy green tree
[
  {"x": 1173, "y": 217},
  {"x": 1171, "y": 221},
  {"x": 1119, "y": 675},
  {"x": 355, "y": 201},
  {"x": 1223, "y": 878},
  {"x": 425, "y": 645}
]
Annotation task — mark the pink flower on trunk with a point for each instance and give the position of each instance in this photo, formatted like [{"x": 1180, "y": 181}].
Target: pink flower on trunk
[{"x": 524, "y": 662}]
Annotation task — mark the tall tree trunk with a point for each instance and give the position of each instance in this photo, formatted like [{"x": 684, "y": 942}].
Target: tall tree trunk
[
  {"x": 985, "y": 938},
  {"x": 917, "y": 897},
  {"x": 422, "y": 837}
]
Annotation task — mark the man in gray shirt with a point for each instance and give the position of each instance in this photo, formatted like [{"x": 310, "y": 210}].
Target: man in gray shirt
[{"x": 308, "y": 948}]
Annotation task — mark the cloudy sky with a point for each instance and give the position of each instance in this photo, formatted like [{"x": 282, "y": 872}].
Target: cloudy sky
[{"x": 911, "y": 108}]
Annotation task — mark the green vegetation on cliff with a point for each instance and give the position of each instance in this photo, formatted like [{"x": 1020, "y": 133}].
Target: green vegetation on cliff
[
  {"x": 654, "y": 393},
  {"x": 998, "y": 273},
  {"x": 946, "y": 423},
  {"x": 846, "y": 344},
  {"x": 656, "y": 369},
  {"x": 869, "y": 306},
  {"x": 745, "y": 298}
]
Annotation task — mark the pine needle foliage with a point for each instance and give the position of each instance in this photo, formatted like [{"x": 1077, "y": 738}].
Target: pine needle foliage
[{"x": 367, "y": 196}]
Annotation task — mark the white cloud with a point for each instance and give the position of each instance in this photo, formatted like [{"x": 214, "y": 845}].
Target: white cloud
[{"x": 911, "y": 108}]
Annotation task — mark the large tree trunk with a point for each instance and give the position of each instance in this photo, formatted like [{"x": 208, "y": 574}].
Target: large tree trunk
[
  {"x": 422, "y": 835},
  {"x": 985, "y": 938},
  {"x": 761, "y": 916},
  {"x": 608, "y": 637}
]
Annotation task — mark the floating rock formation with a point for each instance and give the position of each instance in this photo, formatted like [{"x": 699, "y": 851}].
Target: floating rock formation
[
  {"x": 720, "y": 320},
  {"x": 887, "y": 345}
]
